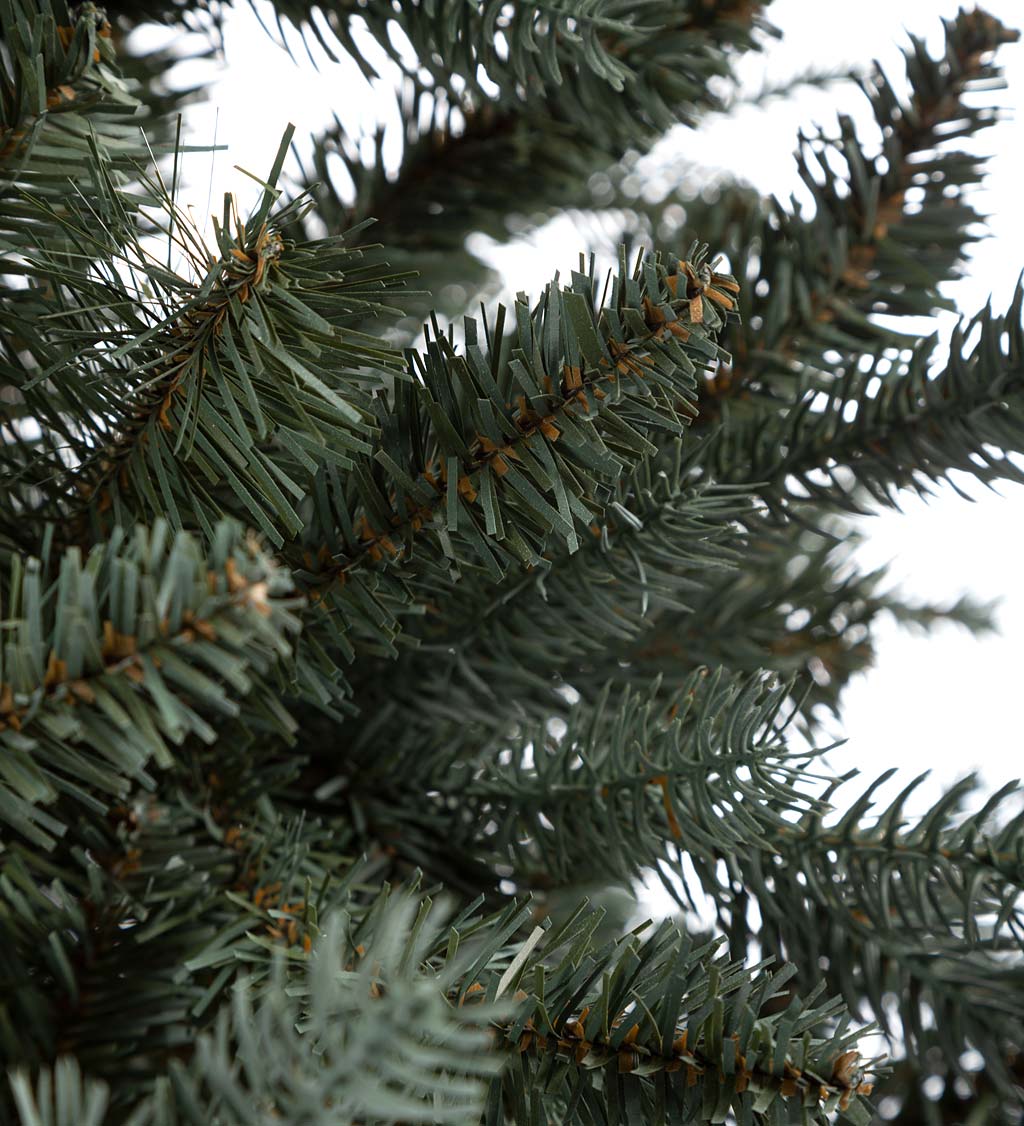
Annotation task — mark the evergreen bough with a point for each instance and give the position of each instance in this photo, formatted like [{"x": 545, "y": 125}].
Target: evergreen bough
[{"x": 334, "y": 667}]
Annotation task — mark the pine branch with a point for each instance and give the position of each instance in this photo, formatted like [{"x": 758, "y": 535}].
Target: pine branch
[
  {"x": 69, "y": 128},
  {"x": 208, "y": 402},
  {"x": 797, "y": 606},
  {"x": 487, "y": 459},
  {"x": 665, "y": 585},
  {"x": 697, "y": 770},
  {"x": 881, "y": 430},
  {"x": 654, "y": 55},
  {"x": 635, "y": 780},
  {"x": 867, "y": 250},
  {"x": 110, "y": 662},
  {"x": 926, "y": 910},
  {"x": 558, "y": 112},
  {"x": 52, "y": 69},
  {"x": 578, "y": 53},
  {"x": 327, "y": 1036},
  {"x": 660, "y": 1041},
  {"x": 374, "y": 1036},
  {"x": 812, "y": 283},
  {"x": 163, "y": 841}
]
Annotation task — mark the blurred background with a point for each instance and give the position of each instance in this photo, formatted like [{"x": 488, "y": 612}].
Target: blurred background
[{"x": 945, "y": 702}]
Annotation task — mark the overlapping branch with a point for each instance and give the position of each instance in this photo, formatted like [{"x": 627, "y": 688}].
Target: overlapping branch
[
  {"x": 657, "y": 1026},
  {"x": 633, "y": 779},
  {"x": 479, "y": 670},
  {"x": 157, "y": 904}
]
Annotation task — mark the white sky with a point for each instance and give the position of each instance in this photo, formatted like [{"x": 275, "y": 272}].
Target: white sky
[{"x": 944, "y": 702}]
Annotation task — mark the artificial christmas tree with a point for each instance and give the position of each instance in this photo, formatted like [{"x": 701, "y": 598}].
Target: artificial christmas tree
[{"x": 335, "y": 665}]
